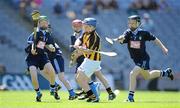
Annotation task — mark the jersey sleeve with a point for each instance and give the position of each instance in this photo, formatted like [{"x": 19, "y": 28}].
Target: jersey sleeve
[
  {"x": 50, "y": 40},
  {"x": 80, "y": 38},
  {"x": 73, "y": 40},
  {"x": 126, "y": 36},
  {"x": 29, "y": 42},
  {"x": 149, "y": 36},
  {"x": 30, "y": 38}
]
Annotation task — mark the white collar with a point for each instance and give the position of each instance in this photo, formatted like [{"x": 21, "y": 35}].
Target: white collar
[
  {"x": 78, "y": 34},
  {"x": 135, "y": 31}
]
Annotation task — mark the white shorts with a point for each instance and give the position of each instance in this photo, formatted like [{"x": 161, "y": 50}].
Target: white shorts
[{"x": 89, "y": 66}]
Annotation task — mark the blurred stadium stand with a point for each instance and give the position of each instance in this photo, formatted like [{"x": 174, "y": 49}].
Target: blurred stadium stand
[{"x": 14, "y": 30}]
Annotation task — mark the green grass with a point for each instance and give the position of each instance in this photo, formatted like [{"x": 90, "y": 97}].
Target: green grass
[{"x": 144, "y": 99}]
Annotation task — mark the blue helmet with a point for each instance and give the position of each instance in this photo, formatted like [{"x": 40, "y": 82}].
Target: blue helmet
[{"x": 90, "y": 21}]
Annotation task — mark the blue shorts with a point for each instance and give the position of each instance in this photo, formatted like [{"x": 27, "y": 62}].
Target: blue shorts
[
  {"x": 58, "y": 64},
  {"x": 143, "y": 63},
  {"x": 39, "y": 61}
]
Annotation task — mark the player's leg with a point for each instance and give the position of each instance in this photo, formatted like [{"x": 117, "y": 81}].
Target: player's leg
[
  {"x": 72, "y": 94},
  {"x": 59, "y": 67},
  {"x": 83, "y": 81},
  {"x": 84, "y": 72},
  {"x": 49, "y": 70},
  {"x": 79, "y": 62},
  {"x": 132, "y": 83},
  {"x": 102, "y": 78},
  {"x": 57, "y": 86},
  {"x": 157, "y": 73},
  {"x": 150, "y": 75},
  {"x": 94, "y": 86},
  {"x": 34, "y": 78},
  {"x": 154, "y": 73}
]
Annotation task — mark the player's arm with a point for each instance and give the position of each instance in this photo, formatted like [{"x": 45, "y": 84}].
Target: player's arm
[
  {"x": 80, "y": 49},
  {"x": 124, "y": 37},
  {"x": 149, "y": 36},
  {"x": 76, "y": 53},
  {"x": 121, "y": 39},
  {"x": 73, "y": 39},
  {"x": 50, "y": 47},
  {"x": 50, "y": 44},
  {"x": 160, "y": 44},
  {"x": 30, "y": 48},
  {"x": 77, "y": 44}
]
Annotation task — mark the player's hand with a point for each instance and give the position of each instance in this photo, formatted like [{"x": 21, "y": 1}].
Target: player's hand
[
  {"x": 73, "y": 46},
  {"x": 120, "y": 39},
  {"x": 51, "y": 48},
  {"x": 78, "y": 47},
  {"x": 165, "y": 51},
  {"x": 33, "y": 51}
]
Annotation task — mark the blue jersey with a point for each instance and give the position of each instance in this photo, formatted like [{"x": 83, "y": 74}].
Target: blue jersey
[
  {"x": 39, "y": 60},
  {"x": 43, "y": 38},
  {"x": 52, "y": 55},
  {"x": 136, "y": 43},
  {"x": 74, "y": 37}
]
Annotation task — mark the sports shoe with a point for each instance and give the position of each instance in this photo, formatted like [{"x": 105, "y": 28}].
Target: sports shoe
[
  {"x": 170, "y": 73},
  {"x": 82, "y": 97},
  {"x": 130, "y": 99},
  {"x": 112, "y": 96},
  {"x": 55, "y": 94},
  {"x": 93, "y": 99},
  {"x": 58, "y": 87},
  {"x": 38, "y": 97},
  {"x": 80, "y": 93},
  {"x": 72, "y": 97}
]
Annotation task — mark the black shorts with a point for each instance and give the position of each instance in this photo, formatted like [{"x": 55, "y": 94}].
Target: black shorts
[
  {"x": 143, "y": 63},
  {"x": 79, "y": 61},
  {"x": 39, "y": 61},
  {"x": 58, "y": 64}
]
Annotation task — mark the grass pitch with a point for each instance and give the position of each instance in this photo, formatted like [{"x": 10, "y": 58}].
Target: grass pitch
[{"x": 144, "y": 99}]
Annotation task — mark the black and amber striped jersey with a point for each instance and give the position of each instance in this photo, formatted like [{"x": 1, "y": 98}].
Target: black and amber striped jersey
[{"x": 91, "y": 41}]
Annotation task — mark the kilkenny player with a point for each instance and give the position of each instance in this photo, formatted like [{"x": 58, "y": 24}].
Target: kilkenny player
[
  {"x": 77, "y": 28},
  {"x": 78, "y": 57},
  {"x": 89, "y": 40}
]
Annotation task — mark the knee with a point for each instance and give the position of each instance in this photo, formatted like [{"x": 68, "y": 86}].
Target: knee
[
  {"x": 32, "y": 69},
  {"x": 79, "y": 77},
  {"x": 61, "y": 78},
  {"x": 133, "y": 74},
  {"x": 75, "y": 77},
  {"x": 49, "y": 69},
  {"x": 147, "y": 77}
]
